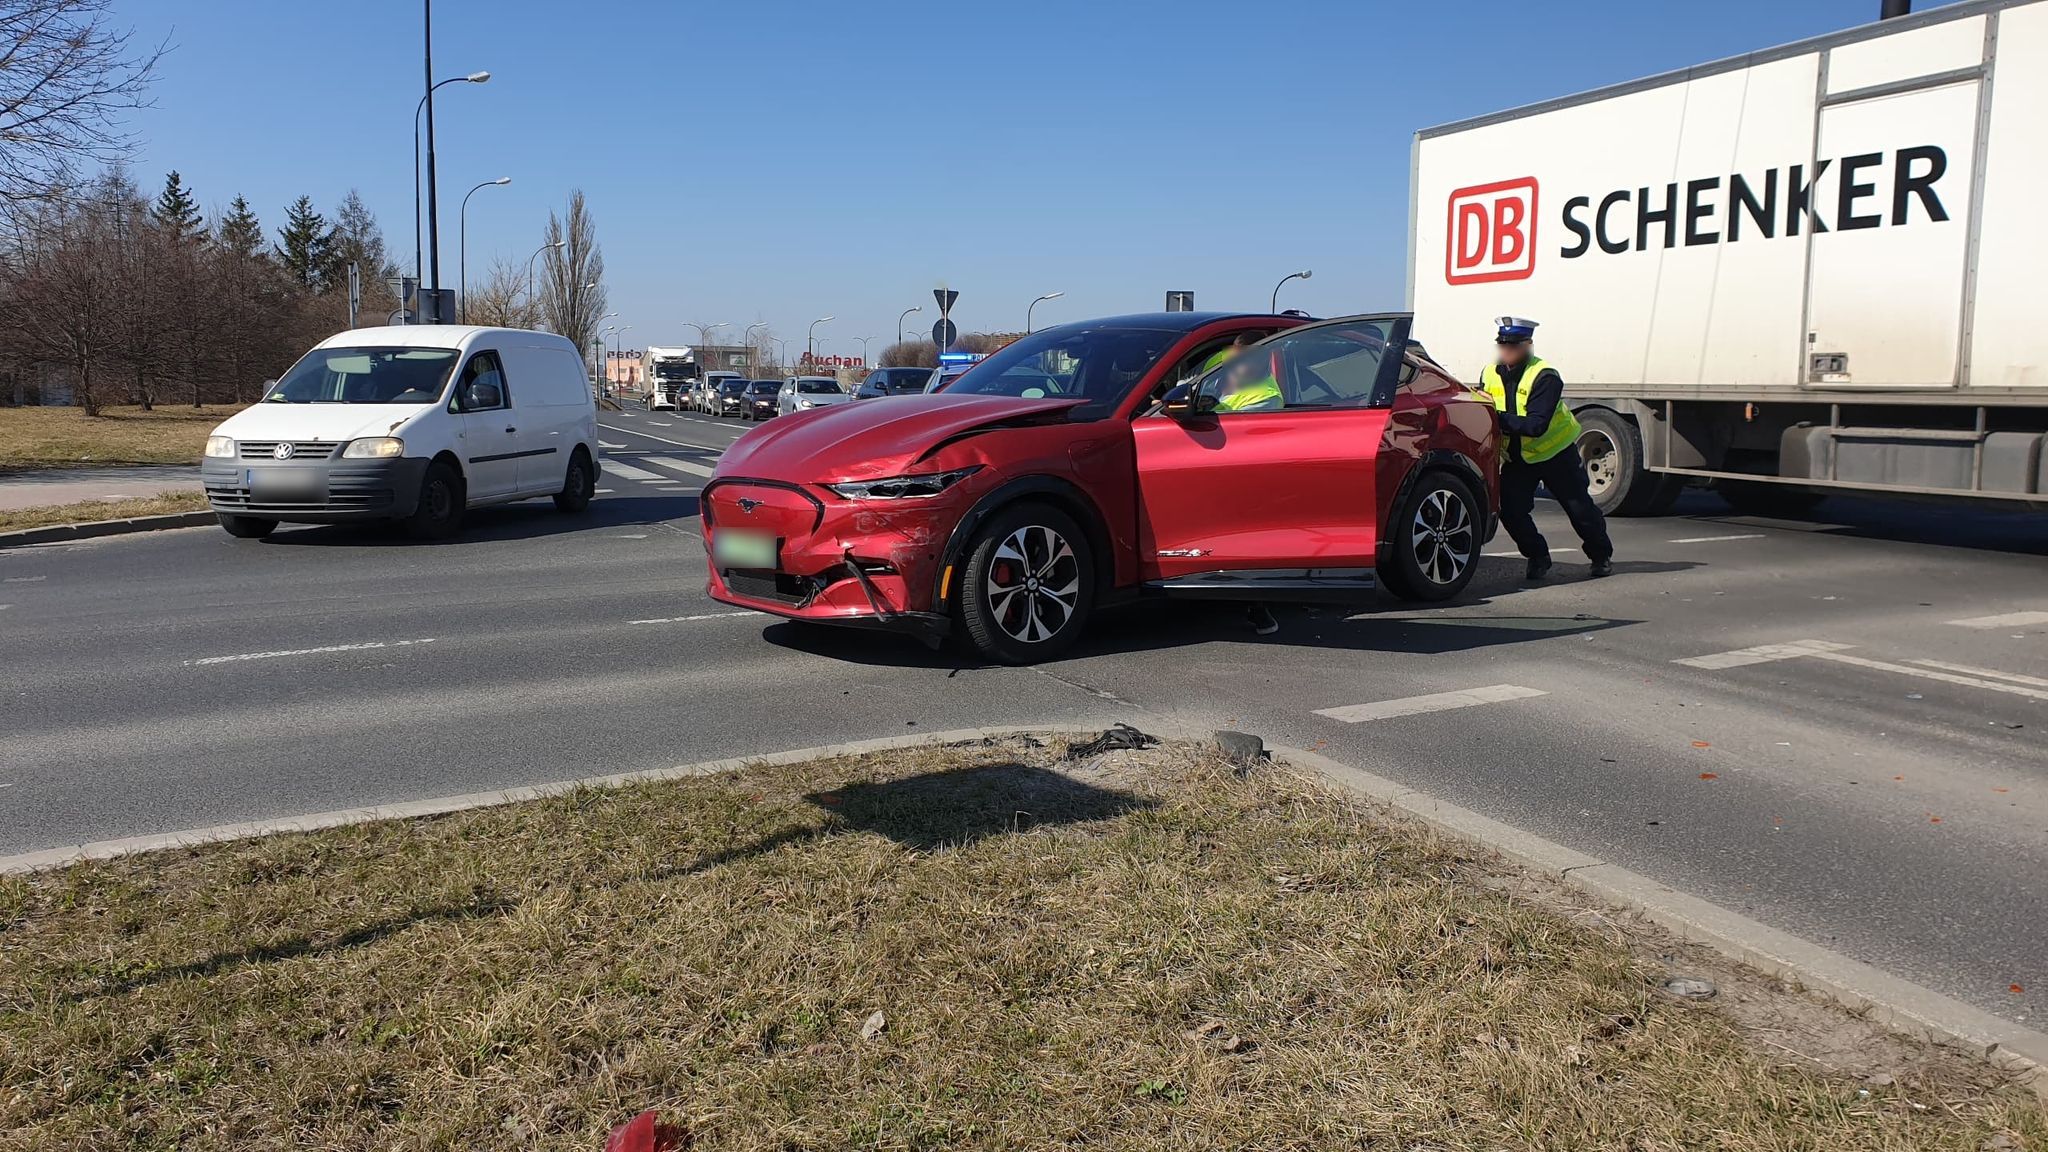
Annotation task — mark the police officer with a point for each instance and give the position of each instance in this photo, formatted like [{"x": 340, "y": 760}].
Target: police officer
[{"x": 1540, "y": 439}]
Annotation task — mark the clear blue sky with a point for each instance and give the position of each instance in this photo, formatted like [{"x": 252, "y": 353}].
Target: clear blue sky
[{"x": 780, "y": 160}]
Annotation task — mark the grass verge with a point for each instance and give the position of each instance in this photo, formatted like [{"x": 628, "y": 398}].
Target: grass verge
[
  {"x": 976, "y": 947},
  {"x": 68, "y": 438},
  {"x": 87, "y": 511}
]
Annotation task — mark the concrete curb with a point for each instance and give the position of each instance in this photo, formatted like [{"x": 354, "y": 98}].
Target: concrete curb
[
  {"x": 51, "y": 533},
  {"x": 1901, "y": 1004}
]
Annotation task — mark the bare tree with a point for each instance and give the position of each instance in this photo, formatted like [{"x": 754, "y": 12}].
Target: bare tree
[
  {"x": 911, "y": 354},
  {"x": 501, "y": 300},
  {"x": 572, "y": 298},
  {"x": 66, "y": 76}
]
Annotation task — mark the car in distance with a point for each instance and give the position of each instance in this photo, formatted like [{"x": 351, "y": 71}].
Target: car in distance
[
  {"x": 803, "y": 393},
  {"x": 730, "y": 398},
  {"x": 894, "y": 382},
  {"x": 714, "y": 393},
  {"x": 414, "y": 424},
  {"x": 1094, "y": 463},
  {"x": 758, "y": 401}
]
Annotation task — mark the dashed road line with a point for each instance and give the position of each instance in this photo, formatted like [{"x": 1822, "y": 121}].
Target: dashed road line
[
  {"x": 23, "y": 579},
  {"x": 244, "y": 656},
  {"x": 694, "y": 619},
  {"x": 1763, "y": 654},
  {"x": 1553, "y": 552},
  {"x": 1435, "y": 702},
  {"x": 628, "y": 472},
  {"x": 678, "y": 465},
  {"x": 1717, "y": 539},
  {"x": 1992, "y": 673},
  {"x": 666, "y": 440},
  {"x": 1931, "y": 674},
  {"x": 2008, "y": 620}
]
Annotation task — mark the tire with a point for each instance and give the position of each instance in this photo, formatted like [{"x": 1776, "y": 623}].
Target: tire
[
  {"x": 1017, "y": 548},
  {"x": 579, "y": 484},
  {"x": 1612, "y": 447},
  {"x": 246, "y": 527},
  {"x": 1437, "y": 543},
  {"x": 1774, "y": 500},
  {"x": 439, "y": 512}
]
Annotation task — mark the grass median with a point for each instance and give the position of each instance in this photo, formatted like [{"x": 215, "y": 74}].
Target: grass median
[
  {"x": 89, "y": 511},
  {"x": 979, "y": 947},
  {"x": 42, "y": 437}
]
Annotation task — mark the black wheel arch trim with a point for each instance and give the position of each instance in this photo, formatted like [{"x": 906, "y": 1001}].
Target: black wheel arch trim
[
  {"x": 1442, "y": 460},
  {"x": 1061, "y": 492}
]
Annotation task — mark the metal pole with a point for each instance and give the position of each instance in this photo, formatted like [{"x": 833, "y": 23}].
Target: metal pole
[
  {"x": 1274, "y": 305},
  {"x": 1893, "y": 9},
  {"x": 462, "y": 245},
  {"x": 536, "y": 256},
  {"x": 433, "y": 191},
  {"x": 899, "y": 321},
  {"x": 808, "y": 336},
  {"x": 1034, "y": 304}
]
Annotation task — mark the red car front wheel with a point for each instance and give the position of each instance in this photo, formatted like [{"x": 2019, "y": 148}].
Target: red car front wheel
[{"x": 1028, "y": 586}]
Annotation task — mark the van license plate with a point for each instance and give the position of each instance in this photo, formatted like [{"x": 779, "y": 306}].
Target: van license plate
[{"x": 738, "y": 548}]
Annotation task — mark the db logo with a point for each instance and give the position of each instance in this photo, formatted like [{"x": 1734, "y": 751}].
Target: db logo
[{"x": 1492, "y": 232}]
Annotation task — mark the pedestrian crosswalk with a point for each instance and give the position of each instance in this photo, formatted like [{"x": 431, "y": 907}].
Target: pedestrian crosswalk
[{"x": 677, "y": 474}]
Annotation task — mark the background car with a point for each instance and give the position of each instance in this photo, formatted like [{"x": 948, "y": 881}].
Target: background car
[
  {"x": 713, "y": 402},
  {"x": 759, "y": 399},
  {"x": 1097, "y": 462},
  {"x": 801, "y": 393},
  {"x": 893, "y": 382},
  {"x": 729, "y": 398}
]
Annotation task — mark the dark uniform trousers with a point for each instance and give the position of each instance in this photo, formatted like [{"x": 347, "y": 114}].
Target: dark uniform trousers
[{"x": 1565, "y": 476}]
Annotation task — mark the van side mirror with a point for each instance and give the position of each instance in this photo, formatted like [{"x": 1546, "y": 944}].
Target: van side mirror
[{"x": 482, "y": 395}]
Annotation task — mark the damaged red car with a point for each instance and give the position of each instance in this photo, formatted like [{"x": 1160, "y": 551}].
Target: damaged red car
[{"x": 1182, "y": 454}]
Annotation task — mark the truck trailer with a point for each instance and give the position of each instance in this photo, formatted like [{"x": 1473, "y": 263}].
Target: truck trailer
[
  {"x": 670, "y": 372},
  {"x": 1812, "y": 269}
]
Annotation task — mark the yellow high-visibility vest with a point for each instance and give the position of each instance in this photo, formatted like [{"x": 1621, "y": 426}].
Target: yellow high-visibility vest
[{"x": 1563, "y": 431}]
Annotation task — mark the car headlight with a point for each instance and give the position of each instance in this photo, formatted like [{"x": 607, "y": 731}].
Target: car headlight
[
  {"x": 373, "y": 448},
  {"x": 219, "y": 446},
  {"x": 903, "y": 487},
  {"x": 805, "y": 404}
]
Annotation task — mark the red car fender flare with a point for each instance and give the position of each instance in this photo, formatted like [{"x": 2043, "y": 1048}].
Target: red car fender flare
[
  {"x": 1457, "y": 464},
  {"x": 1058, "y": 491}
]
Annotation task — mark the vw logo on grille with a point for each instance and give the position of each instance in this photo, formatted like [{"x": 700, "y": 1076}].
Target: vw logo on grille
[
  {"x": 283, "y": 451},
  {"x": 748, "y": 506}
]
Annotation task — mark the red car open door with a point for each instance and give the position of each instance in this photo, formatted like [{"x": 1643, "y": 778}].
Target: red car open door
[{"x": 1261, "y": 474}]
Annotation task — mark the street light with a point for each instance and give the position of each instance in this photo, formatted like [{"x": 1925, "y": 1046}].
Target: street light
[
  {"x": 747, "y": 338},
  {"x": 1036, "y": 303},
  {"x": 427, "y": 102},
  {"x": 704, "y": 334},
  {"x": 536, "y": 256},
  {"x": 1274, "y": 305},
  {"x": 899, "y": 320},
  {"x": 864, "y": 349},
  {"x": 462, "y": 244},
  {"x": 812, "y": 332},
  {"x": 618, "y": 346},
  {"x": 782, "y": 356}
]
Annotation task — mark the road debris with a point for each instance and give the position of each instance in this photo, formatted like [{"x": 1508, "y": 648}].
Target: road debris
[
  {"x": 1120, "y": 736},
  {"x": 1690, "y": 988},
  {"x": 873, "y": 1026}
]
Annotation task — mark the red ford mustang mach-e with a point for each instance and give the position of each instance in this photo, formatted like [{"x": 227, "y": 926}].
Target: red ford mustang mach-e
[{"x": 1095, "y": 462}]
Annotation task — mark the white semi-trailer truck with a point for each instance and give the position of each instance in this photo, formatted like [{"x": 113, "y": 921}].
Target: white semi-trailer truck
[
  {"x": 669, "y": 373},
  {"x": 1814, "y": 269}
]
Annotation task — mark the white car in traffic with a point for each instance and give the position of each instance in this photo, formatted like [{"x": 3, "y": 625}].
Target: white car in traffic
[{"x": 801, "y": 393}]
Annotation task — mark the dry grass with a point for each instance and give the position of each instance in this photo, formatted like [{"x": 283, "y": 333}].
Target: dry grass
[
  {"x": 1150, "y": 955},
  {"x": 87, "y": 511},
  {"x": 68, "y": 438}
]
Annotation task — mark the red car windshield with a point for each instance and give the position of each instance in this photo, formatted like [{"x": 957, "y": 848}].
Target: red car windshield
[{"x": 1099, "y": 364}]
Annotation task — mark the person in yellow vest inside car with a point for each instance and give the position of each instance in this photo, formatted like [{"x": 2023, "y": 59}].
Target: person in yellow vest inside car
[
  {"x": 1249, "y": 386},
  {"x": 1539, "y": 445}
]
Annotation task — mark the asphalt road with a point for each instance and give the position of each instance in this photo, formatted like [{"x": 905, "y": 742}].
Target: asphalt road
[{"x": 1874, "y": 779}]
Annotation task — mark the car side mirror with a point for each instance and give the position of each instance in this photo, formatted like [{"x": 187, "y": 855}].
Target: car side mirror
[
  {"x": 1186, "y": 401},
  {"x": 482, "y": 395}
]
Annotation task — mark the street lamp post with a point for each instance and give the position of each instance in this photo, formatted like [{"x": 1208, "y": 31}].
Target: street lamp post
[
  {"x": 747, "y": 338},
  {"x": 899, "y": 320},
  {"x": 783, "y": 355},
  {"x": 1036, "y": 303},
  {"x": 536, "y": 256},
  {"x": 864, "y": 350},
  {"x": 704, "y": 335},
  {"x": 606, "y": 366},
  {"x": 462, "y": 243},
  {"x": 1274, "y": 304},
  {"x": 812, "y": 333},
  {"x": 472, "y": 78}
]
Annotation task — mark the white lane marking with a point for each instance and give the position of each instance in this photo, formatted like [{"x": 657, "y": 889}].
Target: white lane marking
[
  {"x": 605, "y": 491},
  {"x": 1992, "y": 673},
  {"x": 5, "y": 607},
  {"x": 1929, "y": 674},
  {"x": 1717, "y": 539},
  {"x": 305, "y": 652},
  {"x": 1553, "y": 551},
  {"x": 1436, "y": 702},
  {"x": 659, "y": 424},
  {"x": 611, "y": 447},
  {"x": 23, "y": 579},
  {"x": 1763, "y": 654},
  {"x": 694, "y": 619},
  {"x": 634, "y": 536},
  {"x": 628, "y": 472},
  {"x": 666, "y": 440},
  {"x": 2008, "y": 620},
  {"x": 678, "y": 465}
]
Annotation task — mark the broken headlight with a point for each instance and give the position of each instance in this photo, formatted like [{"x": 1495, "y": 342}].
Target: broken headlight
[{"x": 903, "y": 487}]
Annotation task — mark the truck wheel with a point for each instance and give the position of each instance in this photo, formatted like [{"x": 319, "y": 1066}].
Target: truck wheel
[
  {"x": 439, "y": 512},
  {"x": 1436, "y": 540},
  {"x": 1612, "y": 448},
  {"x": 246, "y": 527},
  {"x": 1028, "y": 585},
  {"x": 1774, "y": 500},
  {"x": 578, "y": 485}
]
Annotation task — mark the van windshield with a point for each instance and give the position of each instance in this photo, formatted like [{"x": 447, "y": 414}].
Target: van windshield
[{"x": 365, "y": 376}]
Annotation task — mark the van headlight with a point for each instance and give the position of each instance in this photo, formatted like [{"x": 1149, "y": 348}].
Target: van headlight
[
  {"x": 373, "y": 448},
  {"x": 218, "y": 447},
  {"x": 903, "y": 487}
]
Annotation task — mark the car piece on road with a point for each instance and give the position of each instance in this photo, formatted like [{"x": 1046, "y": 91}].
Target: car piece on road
[
  {"x": 1091, "y": 463},
  {"x": 758, "y": 401},
  {"x": 413, "y": 424},
  {"x": 894, "y": 382},
  {"x": 803, "y": 393}
]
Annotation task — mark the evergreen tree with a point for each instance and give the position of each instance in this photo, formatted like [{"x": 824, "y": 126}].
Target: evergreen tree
[
  {"x": 176, "y": 212},
  {"x": 306, "y": 244},
  {"x": 357, "y": 238},
  {"x": 239, "y": 232}
]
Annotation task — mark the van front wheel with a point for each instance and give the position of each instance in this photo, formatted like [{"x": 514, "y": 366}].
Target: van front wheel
[{"x": 439, "y": 512}]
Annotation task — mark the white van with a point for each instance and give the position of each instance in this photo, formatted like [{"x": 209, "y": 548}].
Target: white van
[{"x": 412, "y": 424}]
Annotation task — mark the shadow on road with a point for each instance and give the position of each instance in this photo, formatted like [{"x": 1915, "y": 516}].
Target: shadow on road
[
  {"x": 529, "y": 520},
  {"x": 1896, "y": 521}
]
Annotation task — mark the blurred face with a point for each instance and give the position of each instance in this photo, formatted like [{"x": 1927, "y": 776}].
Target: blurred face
[{"x": 1512, "y": 354}]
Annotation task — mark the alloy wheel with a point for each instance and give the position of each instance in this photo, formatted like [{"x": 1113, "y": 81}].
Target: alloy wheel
[
  {"x": 1033, "y": 584},
  {"x": 1442, "y": 536}
]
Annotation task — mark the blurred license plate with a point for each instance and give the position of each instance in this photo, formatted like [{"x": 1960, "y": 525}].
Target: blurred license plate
[
  {"x": 287, "y": 486},
  {"x": 738, "y": 548}
]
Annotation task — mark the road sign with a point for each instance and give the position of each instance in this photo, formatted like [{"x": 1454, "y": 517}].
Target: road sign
[
  {"x": 944, "y": 333},
  {"x": 945, "y": 297},
  {"x": 1180, "y": 301}
]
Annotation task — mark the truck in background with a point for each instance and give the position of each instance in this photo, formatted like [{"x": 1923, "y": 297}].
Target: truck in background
[
  {"x": 1812, "y": 269},
  {"x": 670, "y": 372}
]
